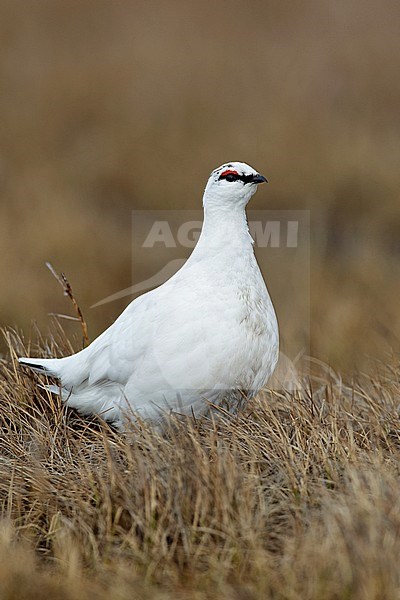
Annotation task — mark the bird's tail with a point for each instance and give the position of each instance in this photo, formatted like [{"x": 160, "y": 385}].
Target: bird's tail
[{"x": 47, "y": 366}]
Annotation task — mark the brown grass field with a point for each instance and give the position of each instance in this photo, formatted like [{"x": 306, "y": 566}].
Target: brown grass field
[
  {"x": 297, "y": 497},
  {"x": 110, "y": 107}
]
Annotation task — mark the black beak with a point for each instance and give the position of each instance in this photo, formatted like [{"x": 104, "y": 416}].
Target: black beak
[{"x": 259, "y": 179}]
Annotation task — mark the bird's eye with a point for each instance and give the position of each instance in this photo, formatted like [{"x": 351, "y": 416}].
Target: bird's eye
[{"x": 229, "y": 175}]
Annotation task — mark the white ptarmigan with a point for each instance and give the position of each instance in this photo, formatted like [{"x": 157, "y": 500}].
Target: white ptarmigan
[{"x": 207, "y": 335}]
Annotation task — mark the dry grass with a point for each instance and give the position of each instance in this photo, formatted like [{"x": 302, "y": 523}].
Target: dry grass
[{"x": 297, "y": 498}]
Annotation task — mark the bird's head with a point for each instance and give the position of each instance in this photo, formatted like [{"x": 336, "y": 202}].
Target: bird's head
[{"x": 232, "y": 184}]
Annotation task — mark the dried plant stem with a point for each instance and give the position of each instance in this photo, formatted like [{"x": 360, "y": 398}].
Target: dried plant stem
[{"x": 65, "y": 284}]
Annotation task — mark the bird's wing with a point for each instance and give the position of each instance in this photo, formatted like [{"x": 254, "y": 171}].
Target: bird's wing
[{"x": 110, "y": 357}]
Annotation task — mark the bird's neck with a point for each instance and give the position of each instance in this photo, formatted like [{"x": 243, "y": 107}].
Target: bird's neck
[{"x": 225, "y": 229}]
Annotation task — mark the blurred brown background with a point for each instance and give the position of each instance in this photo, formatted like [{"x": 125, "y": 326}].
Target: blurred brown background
[{"x": 109, "y": 106}]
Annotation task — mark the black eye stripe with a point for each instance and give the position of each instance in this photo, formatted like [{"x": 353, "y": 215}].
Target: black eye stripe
[
  {"x": 232, "y": 177},
  {"x": 247, "y": 178}
]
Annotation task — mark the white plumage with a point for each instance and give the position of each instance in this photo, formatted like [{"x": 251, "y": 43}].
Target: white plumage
[{"x": 208, "y": 334}]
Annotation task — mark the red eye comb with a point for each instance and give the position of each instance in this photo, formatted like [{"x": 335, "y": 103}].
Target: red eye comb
[{"x": 229, "y": 172}]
